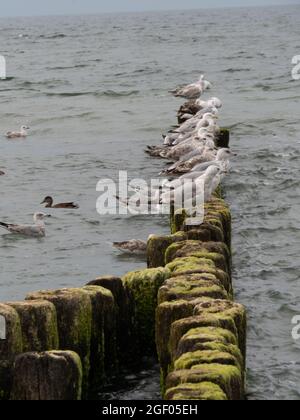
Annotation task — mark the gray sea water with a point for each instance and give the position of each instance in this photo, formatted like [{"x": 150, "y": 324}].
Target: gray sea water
[{"x": 94, "y": 91}]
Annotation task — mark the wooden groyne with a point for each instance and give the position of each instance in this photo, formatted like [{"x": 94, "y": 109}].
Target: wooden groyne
[{"x": 67, "y": 344}]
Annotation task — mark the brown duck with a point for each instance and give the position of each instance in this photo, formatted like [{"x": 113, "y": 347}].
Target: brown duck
[{"x": 49, "y": 204}]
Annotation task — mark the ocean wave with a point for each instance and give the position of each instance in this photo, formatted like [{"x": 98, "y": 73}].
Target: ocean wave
[
  {"x": 54, "y": 36},
  {"x": 232, "y": 70},
  {"x": 114, "y": 94},
  {"x": 108, "y": 93},
  {"x": 68, "y": 94},
  {"x": 76, "y": 66}
]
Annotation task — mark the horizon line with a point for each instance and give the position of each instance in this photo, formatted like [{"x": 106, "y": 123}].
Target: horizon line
[{"x": 148, "y": 11}]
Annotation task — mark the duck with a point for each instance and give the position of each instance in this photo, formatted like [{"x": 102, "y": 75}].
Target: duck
[
  {"x": 18, "y": 134},
  {"x": 49, "y": 204}
]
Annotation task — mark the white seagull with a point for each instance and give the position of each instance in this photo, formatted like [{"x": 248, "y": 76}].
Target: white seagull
[
  {"x": 194, "y": 90},
  {"x": 37, "y": 230},
  {"x": 210, "y": 180},
  {"x": 223, "y": 155},
  {"x": 18, "y": 134}
]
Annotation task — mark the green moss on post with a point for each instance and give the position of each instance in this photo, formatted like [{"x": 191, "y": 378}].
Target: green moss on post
[
  {"x": 191, "y": 287},
  {"x": 204, "y": 391},
  {"x": 104, "y": 359},
  {"x": 206, "y": 270},
  {"x": 228, "y": 309},
  {"x": 9, "y": 348},
  {"x": 157, "y": 246},
  {"x": 227, "y": 377},
  {"x": 50, "y": 376},
  {"x": 200, "y": 338},
  {"x": 181, "y": 327},
  {"x": 142, "y": 289},
  {"x": 200, "y": 249},
  {"x": 74, "y": 316},
  {"x": 166, "y": 314},
  {"x": 188, "y": 360},
  {"x": 39, "y": 325},
  {"x": 219, "y": 210},
  {"x": 189, "y": 264}
]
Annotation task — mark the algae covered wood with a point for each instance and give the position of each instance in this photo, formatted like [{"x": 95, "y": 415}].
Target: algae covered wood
[
  {"x": 227, "y": 377},
  {"x": 203, "y": 391},
  {"x": 74, "y": 316},
  {"x": 49, "y": 376},
  {"x": 181, "y": 327},
  {"x": 202, "y": 337},
  {"x": 223, "y": 139},
  {"x": 166, "y": 314},
  {"x": 123, "y": 313},
  {"x": 103, "y": 359},
  {"x": 157, "y": 246},
  {"x": 10, "y": 347},
  {"x": 233, "y": 310},
  {"x": 39, "y": 325},
  {"x": 192, "y": 286},
  {"x": 142, "y": 289},
  {"x": 228, "y": 357},
  {"x": 199, "y": 249}
]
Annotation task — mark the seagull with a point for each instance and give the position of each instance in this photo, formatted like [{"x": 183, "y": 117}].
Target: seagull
[
  {"x": 207, "y": 154},
  {"x": 206, "y": 143},
  {"x": 2, "y": 173},
  {"x": 193, "y": 107},
  {"x": 49, "y": 204},
  {"x": 223, "y": 155},
  {"x": 209, "y": 180},
  {"x": 36, "y": 230},
  {"x": 212, "y": 102},
  {"x": 181, "y": 149},
  {"x": 18, "y": 134},
  {"x": 194, "y": 90},
  {"x": 133, "y": 247}
]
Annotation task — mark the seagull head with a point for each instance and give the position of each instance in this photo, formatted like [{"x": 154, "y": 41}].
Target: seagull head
[
  {"x": 38, "y": 217},
  {"x": 212, "y": 171},
  {"x": 225, "y": 154},
  {"x": 216, "y": 102}
]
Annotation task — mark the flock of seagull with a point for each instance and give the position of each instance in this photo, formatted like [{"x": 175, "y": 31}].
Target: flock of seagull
[{"x": 191, "y": 146}]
